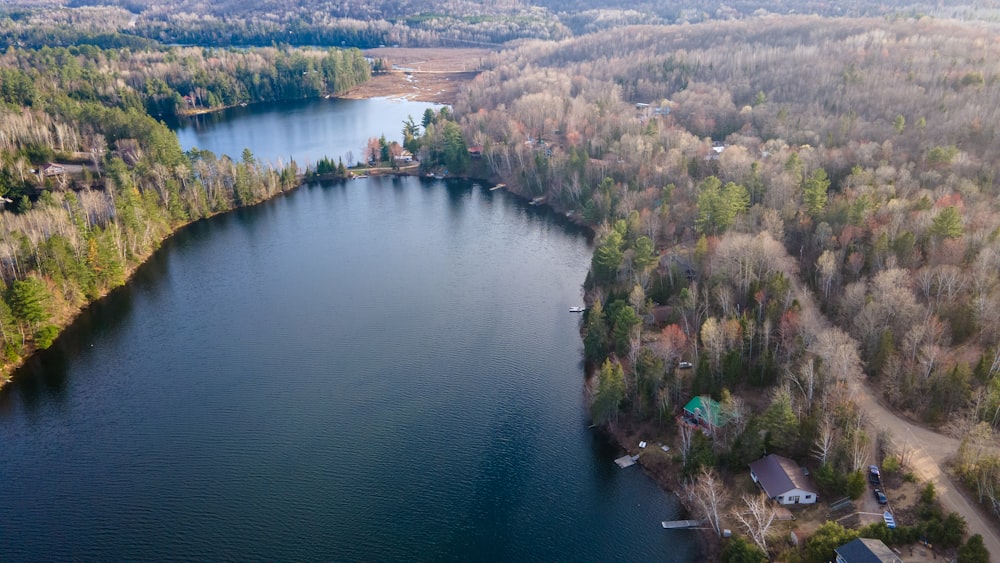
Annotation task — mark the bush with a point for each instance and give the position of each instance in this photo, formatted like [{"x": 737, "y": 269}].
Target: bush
[
  {"x": 928, "y": 494},
  {"x": 974, "y": 551},
  {"x": 900, "y": 535},
  {"x": 738, "y": 550},
  {"x": 45, "y": 336},
  {"x": 831, "y": 482},
  {"x": 890, "y": 464},
  {"x": 820, "y": 547},
  {"x": 947, "y": 533},
  {"x": 856, "y": 485}
]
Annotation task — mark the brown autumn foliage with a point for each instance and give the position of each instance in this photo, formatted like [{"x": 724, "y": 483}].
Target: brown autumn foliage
[{"x": 898, "y": 237}]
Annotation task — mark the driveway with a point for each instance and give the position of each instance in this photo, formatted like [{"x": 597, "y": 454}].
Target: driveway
[{"x": 930, "y": 451}]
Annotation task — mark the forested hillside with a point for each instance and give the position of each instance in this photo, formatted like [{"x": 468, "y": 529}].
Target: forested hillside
[
  {"x": 91, "y": 183},
  {"x": 858, "y": 156},
  {"x": 789, "y": 209},
  {"x": 421, "y": 23}
]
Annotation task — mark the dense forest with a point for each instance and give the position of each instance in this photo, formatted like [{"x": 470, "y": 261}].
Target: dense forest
[
  {"x": 421, "y": 23},
  {"x": 823, "y": 196},
  {"x": 170, "y": 81},
  {"x": 789, "y": 208},
  {"x": 74, "y": 230}
]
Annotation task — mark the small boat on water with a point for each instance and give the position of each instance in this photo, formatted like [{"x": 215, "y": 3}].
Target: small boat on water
[
  {"x": 537, "y": 201},
  {"x": 577, "y": 309}
]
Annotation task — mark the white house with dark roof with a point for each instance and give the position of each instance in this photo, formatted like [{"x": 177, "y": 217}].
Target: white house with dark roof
[{"x": 783, "y": 480}]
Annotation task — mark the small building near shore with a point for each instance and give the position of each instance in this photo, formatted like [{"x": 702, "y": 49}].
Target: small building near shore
[
  {"x": 705, "y": 413},
  {"x": 866, "y": 550},
  {"x": 52, "y": 169},
  {"x": 783, "y": 480}
]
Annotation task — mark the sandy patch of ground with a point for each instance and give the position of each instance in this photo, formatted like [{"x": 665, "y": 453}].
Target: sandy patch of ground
[{"x": 424, "y": 75}]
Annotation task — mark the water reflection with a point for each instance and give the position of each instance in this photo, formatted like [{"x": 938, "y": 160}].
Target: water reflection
[{"x": 385, "y": 369}]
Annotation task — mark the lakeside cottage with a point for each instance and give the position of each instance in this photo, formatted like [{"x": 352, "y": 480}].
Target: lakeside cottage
[
  {"x": 50, "y": 169},
  {"x": 783, "y": 480},
  {"x": 705, "y": 413}
]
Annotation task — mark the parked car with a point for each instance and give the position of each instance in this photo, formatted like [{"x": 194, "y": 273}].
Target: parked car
[
  {"x": 874, "y": 476},
  {"x": 685, "y": 365},
  {"x": 880, "y": 496}
]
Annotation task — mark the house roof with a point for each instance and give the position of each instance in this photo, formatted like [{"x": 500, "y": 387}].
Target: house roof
[
  {"x": 865, "y": 550},
  {"x": 708, "y": 410},
  {"x": 778, "y": 475}
]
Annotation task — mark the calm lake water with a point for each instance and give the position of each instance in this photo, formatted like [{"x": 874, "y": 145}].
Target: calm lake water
[
  {"x": 306, "y": 130},
  {"x": 384, "y": 369}
]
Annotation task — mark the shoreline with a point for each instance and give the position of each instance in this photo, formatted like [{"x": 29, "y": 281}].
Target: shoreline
[
  {"x": 664, "y": 477},
  {"x": 665, "y": 472},
  {"x": 10, "y": 369}
]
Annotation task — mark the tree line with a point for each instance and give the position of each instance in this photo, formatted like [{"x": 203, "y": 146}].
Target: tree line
[
  {"x": 424, "y": 23},
  {"x": 68, "y": 238},
  {"x": 170, "y": 81}
]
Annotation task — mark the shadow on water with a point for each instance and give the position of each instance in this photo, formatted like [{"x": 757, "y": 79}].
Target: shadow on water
[
  {"x": 541, "y": 214},
  {"x": 44, "y": 374},
  {"x": 604, "y": 448},
  {"x": 204, "y": 121}
]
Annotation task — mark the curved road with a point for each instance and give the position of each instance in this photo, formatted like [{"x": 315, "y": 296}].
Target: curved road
[{"x": 930, "y": 450}]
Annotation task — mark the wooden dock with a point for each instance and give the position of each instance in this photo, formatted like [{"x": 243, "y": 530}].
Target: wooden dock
[
  {"x": 682, "y": 524},
  {"x": 626, "y": 461}
]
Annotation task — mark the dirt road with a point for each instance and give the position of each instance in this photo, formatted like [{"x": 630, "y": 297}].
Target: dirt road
[{"x": 930, "y": 450}]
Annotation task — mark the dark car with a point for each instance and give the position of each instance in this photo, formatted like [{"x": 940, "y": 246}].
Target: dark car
[
  {"x": 880, "y": 496},
  {"x": 874, "y": 476}
]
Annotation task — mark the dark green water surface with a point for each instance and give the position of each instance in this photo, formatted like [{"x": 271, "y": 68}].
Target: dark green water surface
[{"x": 378, "y": 370}]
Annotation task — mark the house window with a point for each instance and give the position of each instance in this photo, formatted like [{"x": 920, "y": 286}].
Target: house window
[
  {"x": 779, "y": 499},
  {"x": 809, "y": 497},
  {"x": 794, "y": 499}
]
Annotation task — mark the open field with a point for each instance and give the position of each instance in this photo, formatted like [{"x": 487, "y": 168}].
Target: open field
[{"x": 425, "y": 75}]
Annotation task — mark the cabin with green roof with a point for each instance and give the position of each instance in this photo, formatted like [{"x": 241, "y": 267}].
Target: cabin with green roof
[{"x": 705, "y": 413}]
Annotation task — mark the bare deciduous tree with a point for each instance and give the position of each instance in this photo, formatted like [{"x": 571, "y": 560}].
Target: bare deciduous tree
[
  {"x": 709, "y": 496},
  {"x": 825, "y": 441},
  {"x": 756, "y": 516}
]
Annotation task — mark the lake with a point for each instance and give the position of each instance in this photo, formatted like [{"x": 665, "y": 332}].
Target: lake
[{"x": 383, "y": 369}]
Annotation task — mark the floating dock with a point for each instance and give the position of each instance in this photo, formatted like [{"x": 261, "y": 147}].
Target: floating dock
[
  {"x": 681, "y": 524},
  {"x": 626, "y": 461}
]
